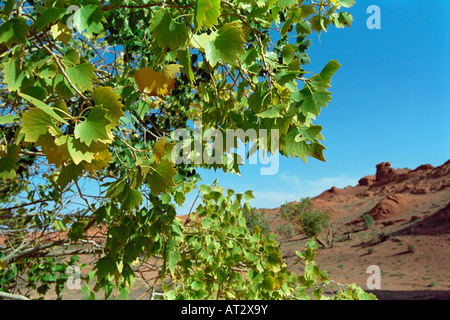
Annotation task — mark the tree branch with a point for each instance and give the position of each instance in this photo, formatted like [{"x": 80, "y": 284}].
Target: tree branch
[{"x": 12, "y": 296}]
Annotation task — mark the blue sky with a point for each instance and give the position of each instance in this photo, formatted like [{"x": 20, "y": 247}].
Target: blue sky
[{"x": 390, "y": 103}]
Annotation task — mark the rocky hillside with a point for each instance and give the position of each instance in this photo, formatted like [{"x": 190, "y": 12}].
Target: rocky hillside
[
  {"x": 394, "y": 194},
  {"x": 410, "y": 238}
]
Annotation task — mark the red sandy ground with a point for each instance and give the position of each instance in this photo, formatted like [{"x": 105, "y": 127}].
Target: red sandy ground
[{"x": 409, "y": 207}]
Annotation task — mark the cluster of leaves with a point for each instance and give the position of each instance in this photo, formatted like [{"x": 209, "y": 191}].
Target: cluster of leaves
[
  {"x": 91, "y": 95},
  {"x": 302, "y": 218},
  {"x": 36, "y": 277}
]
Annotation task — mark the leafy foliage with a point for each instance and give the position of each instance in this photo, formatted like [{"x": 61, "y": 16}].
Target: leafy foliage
[{"x": 90, "y": 100}]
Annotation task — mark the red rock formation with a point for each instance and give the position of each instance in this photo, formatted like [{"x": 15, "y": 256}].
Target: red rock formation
[
  {"x": 367, "y": 181},
  {"x": 384, "y": 171}
]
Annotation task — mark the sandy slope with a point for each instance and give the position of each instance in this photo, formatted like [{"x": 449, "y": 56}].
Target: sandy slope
[{"x": 411, "y": 208}]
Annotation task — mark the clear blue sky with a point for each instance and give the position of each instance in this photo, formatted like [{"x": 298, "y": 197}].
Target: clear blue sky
[{"x": 390, "y": 103}]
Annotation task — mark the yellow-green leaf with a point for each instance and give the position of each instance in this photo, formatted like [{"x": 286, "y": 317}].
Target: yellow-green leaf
[
  {"x": 93, "y": 128},
  {"x": 159, "y": 149},
  {"x": 14, "y": 31},
  {"x": 35, "y": 122},
  {"x": 161, "y": 177},
  {"x": 168, "y": 32},
  {"x": 207, "y": 12},
  {"x": 44, "y": 107},
  {"x": 157, "y": 83},
  {"x": 227, "y": 46},
  {"x": 106, "y": 97},
  {"x": 61, "y": 32}
]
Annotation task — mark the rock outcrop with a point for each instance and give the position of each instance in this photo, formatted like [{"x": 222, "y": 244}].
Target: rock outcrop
[
  {"x": 384, "y": 171},
  {"x": 367, "y": 181}
]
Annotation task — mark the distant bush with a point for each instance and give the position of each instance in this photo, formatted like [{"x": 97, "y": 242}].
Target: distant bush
[
  {"x": 304, "y": 218},
  {"x": 412, "y": 248},
  {"x": 287, "y": 230},
  {"x": 368, "y": 221},
  {"x": 256, "y": 218}
]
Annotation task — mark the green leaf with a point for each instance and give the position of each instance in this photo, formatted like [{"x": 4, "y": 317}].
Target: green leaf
[
  {"x": 329, "y": 70},
  {"x": 303, "y": 28},
  {"x": 35, "y": 122},
  {"x": 185, "y": 60},
  {"x": 49, "y": 17},
  {"x": 8, "y": 7},
  {"x": 368, "y": 296},
  {"x": 248, "y": 195},
  {"x": 205, "y": 189},
  {"x": 201, "y": 41},
  {"x": 106, "y": 97},
  {"x": 206, "y": 223},
  {"x": 159, "y": 149},
  {"x": 180, "y": 197},
  {"x": 344, "y": 3},
  {"x": 345, "y": 18},
  {"x": 57, "y": 154},
  {"x": 124, "y": 293},
  {"x": 93, "y": 128},
  {"x": 9, "y": 119},
  {"x": 287, "y": 53},
  {"x": 70, "y": 58},
  {"x": 14, "y": 31},
  {"x": 273, "y": 111},
  {"x": 13, "y": 76},
  {"x": 79, "y": 151},
  {"x": 286, "y": 3},
  {"x": 61, "y": 32},
  {"x": 48, "y": 71},
  {"x": 171, "y": 254},
  {"x": 161, "y": 177},
  {"x": 169, "y": 33},
  {"x": 314, "y": 101},
  {"x": 89, "y": 18},
  {"x": 284, "y": 77},
  {"x": 227, "y": 45},
  {"x": 59, "y": 225},
  {"x": 131, "y": 199},
  {"x": 68, "y": 174},
  {"x": 267, "y": 283},
  {"x": 105, "y": 266},
  {"x": 44, "y": 107},
  {"x": 311, "y": 133},
  {"x": 62, "y": 87},
  {"x": 207, "y": 12},
  {"x": 82, "y": 76},
  {"x": 8, "y": 164},
  {"x": 37, "y": 92},
  {"x": 302, "y": 148}
]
